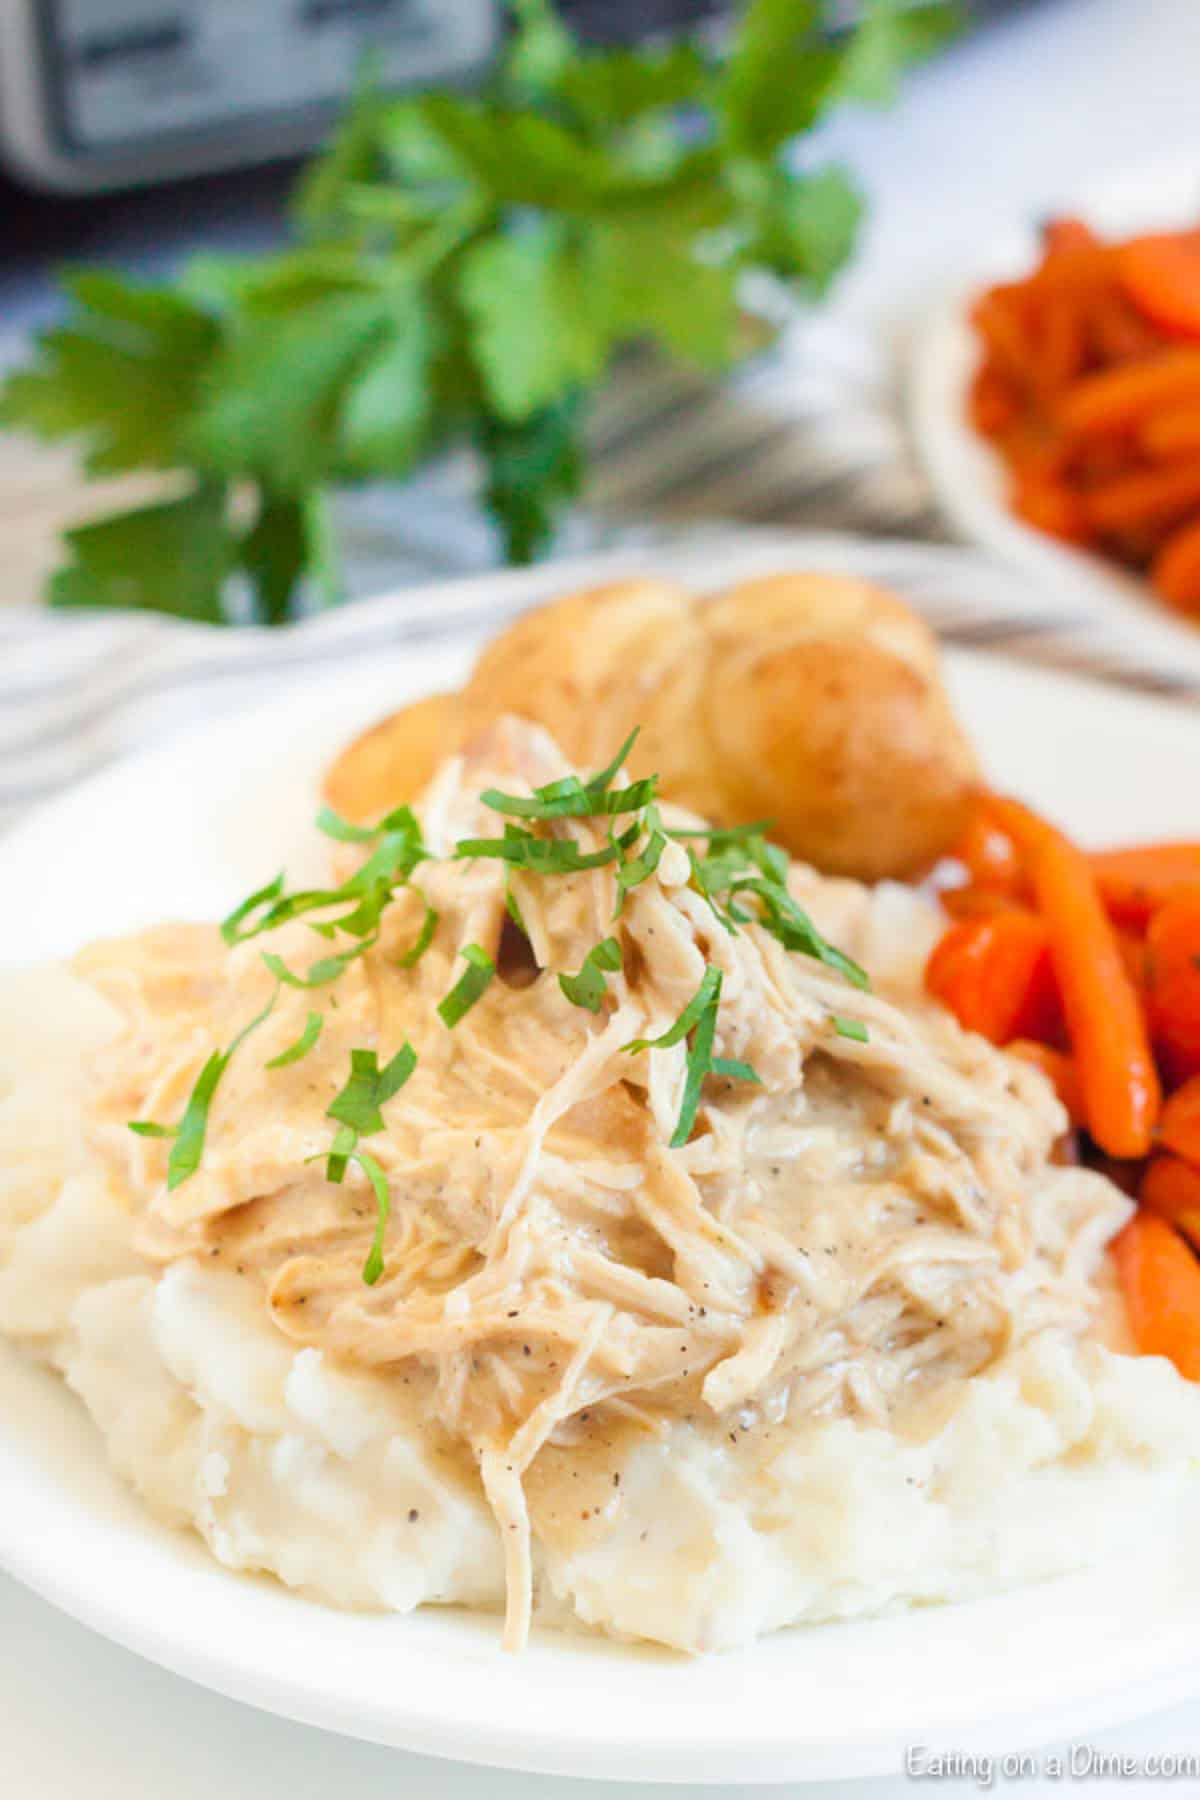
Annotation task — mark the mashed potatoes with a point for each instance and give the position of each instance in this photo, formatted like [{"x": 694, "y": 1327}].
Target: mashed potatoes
[{"x": 837, "y": 1351}]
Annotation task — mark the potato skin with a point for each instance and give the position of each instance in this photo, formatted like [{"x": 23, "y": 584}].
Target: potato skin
[
  {"x": 829, "y": 713},
  {"x": 594, "y": 666},
  {"x": 394, "y": 760},
  {"x": 811, "y": 699}
]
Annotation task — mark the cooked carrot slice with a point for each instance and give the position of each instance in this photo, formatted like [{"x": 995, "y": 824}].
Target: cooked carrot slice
[
  {"x": 1058, "y": 1068},
  {"x": 1179, "y": 1127},
  {"x": 1135, "y": 883},
  {"x": 976, "y": 902},
  {"x": 1067, "y": 234},
  {"x": 1116, "y": 331},
  {"x": 1171, "y": 1188},
  {"x": 995, "y": 975},
  {"x": 1160, "y": 1279},
  {"x": 986, "y": 853},
  {"x": 994, "y": 406},
  {"x": 1175, "y": 431},
  {"x": 1116, "y": 399},
  {"x": 1052, "y": 506},
  {"x": 1176, "y": 569},
  {"x": 1173, "y": 984},
  {"x": 1147, "y": 497},
  {"x": 1107, "y": 1031},
  {"x": 1161, "y": 274}
]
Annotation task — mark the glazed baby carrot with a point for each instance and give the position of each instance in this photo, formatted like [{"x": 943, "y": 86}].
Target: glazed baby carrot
[
  {"x": 1175, "y": 431},
  {"x": 976, "y": 902},
  {"x": 1175, "y": 570},
  {"x": 1117, "y": 398},
  {"x": 1146, "y": 497},
  {"x": 1135, "y": 883},
  {"x": 986, "y": 853},
  {"x": 1059, "y": 1069},
  {"x": 1053, "y": 506},
  {"x": 1179, "y": 1127},
  {"x": 1171, "y": 1188},
  {"x": 1173, "y": 984},
  {"x": 1160, "y": 1279},
  {"x": 1161, "y": 274},
  {"x": 995, "y": 975},
  {"x": 1121, "y": 1091}
]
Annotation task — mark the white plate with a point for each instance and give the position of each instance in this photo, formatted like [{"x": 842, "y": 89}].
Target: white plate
[
  {"x": 968, "y": 477},
  {"x": 189, "y": 828}
]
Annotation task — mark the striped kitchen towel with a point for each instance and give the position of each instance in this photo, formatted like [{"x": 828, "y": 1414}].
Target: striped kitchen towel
[{"x": 78, "y": 689}]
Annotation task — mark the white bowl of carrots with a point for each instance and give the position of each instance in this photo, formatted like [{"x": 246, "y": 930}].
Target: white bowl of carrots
[
  {"x": 1056, "y": 404},
  {"x": 1088, "y": 965}
]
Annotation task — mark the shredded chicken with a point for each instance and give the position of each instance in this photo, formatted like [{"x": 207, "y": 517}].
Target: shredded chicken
[{"x": 872, "y": 1221}]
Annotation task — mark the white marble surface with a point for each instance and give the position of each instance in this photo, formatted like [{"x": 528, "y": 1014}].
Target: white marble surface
[{"x": 1007, "y": 125}]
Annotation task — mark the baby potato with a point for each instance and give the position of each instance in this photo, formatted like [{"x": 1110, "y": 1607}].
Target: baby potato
[
  {"x": 811, "y": 699},
  {"x": 394, "y": 760},
  {"x": 829, "y": 715}
]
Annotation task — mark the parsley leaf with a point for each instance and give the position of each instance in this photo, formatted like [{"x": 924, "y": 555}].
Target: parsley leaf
[
  {"x": 369, "y": 1088},
  {"x": 191, "y": 1131},
  {"x": 399, "y": 848},
  {"x": 537, "y": 335},
  {"x": 470, "y": 986},
  {"x": 850, "y": 1028},
  {"x": 788, "y": 922},
  {"x": 304, "y": 1043},
  {"x": 323, "y": 971},
  {"x": 570, "y": 798},
  {"x": 123, "y": 376},
  {"x": 464, "y": 270},
  {"x": 699, "y": 1020},
  {"x": 168, "y": 556},
  {"x": 424, "y": 938},
  {"x": 373, "y": 1267},
  {"x": 636, "y": 869},
  {"x": 735, "y": 1071},
  {"x": 708, "y": 991},
  {"x": 541, "y": 856},
  {"x": 589, "y": 987}
]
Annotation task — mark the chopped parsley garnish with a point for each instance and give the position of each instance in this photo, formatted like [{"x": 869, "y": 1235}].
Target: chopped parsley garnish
[
  {"x": 357, "y": 1111},
  {"x": 571, "y": 799},
  {"x": 399, "y": 847},
  {"x": 303, "y": 1044},
  {"x": 541, "y": 856},
  {"x": 190, "y": 1133},
  {"x": 742, "y": 862},
  {"x": 261, "y": 897},
  {"x": 513, "y": 910},
  {"x": 323, "y": 971},
  {"x": 369, "y": 1088},
  {"x": 736, "y": 1071},
  {"x": 788, "y": 922},
  {"x": 699, "y": 1018},
  {"x": 469, "y": 987},
  {"x": 429, "y": 925},
  {"x": 345, "y": 1141},
  {"x": 334, "y": 826},
  {"x": 636, "y": 869},
  {"x": 850, "y": 1028},
  {"x": 604, "y": 778},
  {"x": 373, "y": 1267},
  {"x": 589, "y": 987},
  {"x": 708, "y": 991}
]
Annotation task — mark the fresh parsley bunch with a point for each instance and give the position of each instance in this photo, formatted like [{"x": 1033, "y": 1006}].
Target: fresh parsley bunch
[{"x": 465, "y": 269}]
